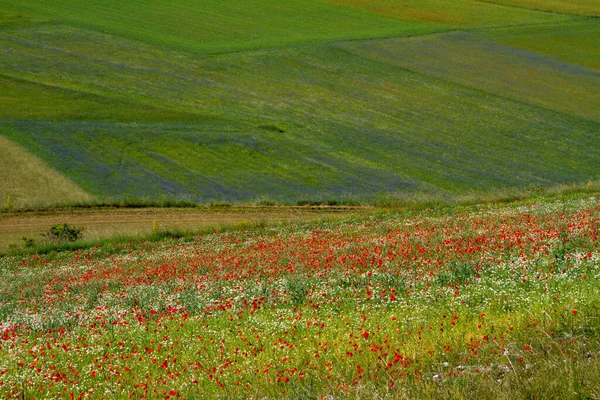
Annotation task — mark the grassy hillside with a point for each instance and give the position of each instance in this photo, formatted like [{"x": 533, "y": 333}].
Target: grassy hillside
[
  {"x": 216, "y": 26},
  {"x": 28, "y": 180},
  {"x": 468, "y": 60},
  {"x": 453, "y": 13},
  {"x": 331, "y": 120},
  {"x": 8, "y": 18},
  {"x": 574, "y": 42},
  {"x": 577, "y": 7},
  {"x": 126, "y": 100},
  {"x": 27, "y": 100}
]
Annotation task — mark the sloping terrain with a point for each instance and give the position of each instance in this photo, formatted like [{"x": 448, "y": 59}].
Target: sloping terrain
[
  {"x": 461, "y": 13},
  {"x": 29, "y": 181},
  {"x": 478, "y": 302},
  {"x": 575, "y": 42},
  {"x": 216, "y": 26},
  {"x": 468, "y": 60},
  {"x": 158, "y": 105},
  {"x": 578, "y": 7}
]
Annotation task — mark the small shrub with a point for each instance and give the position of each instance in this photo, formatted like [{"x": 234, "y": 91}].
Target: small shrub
[
  {"x": 271, "y": 128},
  {"x": 298, "y": 291},
  {"x": 63, "y": 233},
  {"x": 28, "y": 242},
  {"x": 219, "y": 204}
]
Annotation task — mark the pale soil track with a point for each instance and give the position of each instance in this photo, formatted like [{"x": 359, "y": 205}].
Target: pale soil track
[{"x": 103, "y": 223}]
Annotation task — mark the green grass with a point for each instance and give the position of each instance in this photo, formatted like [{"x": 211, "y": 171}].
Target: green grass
[
  {"x": 216, "y": 26},
  {"x": 233, "y": 25},
  {"x": 575, "y": 42},
  {"x": 22, "y": 99},
  {"x": 453, "y": 13},
  {"x": 328, "y": 121},
  {"x": 576, "y": 7},
  {"x": 139, "y": 101},
  {"x": 45, "y": 247},
  {"x": 469, "y": 60},
  {"x": 9, "y": 18}
]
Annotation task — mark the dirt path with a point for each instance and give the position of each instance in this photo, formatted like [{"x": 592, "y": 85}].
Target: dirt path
[{"x": 100, "y": 223}]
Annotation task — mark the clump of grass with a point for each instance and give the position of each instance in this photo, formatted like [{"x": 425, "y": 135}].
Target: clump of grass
[
  {"x": 28, "y": 242},
  {"x": 219, "y": 204},
  {"x": 421, "y": 200}
]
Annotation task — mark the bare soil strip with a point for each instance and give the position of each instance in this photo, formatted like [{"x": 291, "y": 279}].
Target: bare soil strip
[{"x": 103, "y": 223}]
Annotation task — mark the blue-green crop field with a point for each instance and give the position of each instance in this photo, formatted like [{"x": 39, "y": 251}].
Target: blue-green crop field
[{"x": 302, "y": 100}]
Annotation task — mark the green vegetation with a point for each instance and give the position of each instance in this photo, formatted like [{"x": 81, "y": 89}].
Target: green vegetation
[
  {"x": 472, "y": 124},
  {"x": 27, "y": 100},
  {"x": 237, "y": 101},
  {"x": 134, "y": 220},
  {"x": 60, "y": 233},
  {"x": 494, "y": 69},
  {"x": 217, "y": 26},
  {"x": 11, "y": 18},
  {"x": 484, "y": 301},
  {"x": 575, "y": 42},
  {"x": 452, "y": 14},
  {"x": 578, "y": 7}
]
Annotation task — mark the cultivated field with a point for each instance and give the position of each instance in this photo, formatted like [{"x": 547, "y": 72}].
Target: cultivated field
[
  {"x": 267, "y": 100},
  {"x": 219, "y": 26},
  {"x": 581, "y": 7},
  {"x": 488, "y": 301},
  {"x": 576, "y": 42}
]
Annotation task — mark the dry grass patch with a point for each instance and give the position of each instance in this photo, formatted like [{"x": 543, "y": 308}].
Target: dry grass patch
[
  {"x": 105, "y": 223},
  {"x": 29, "y": 181}
]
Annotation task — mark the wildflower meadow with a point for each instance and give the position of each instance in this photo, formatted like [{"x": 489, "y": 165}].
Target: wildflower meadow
[{"x": 479, "y": 301}]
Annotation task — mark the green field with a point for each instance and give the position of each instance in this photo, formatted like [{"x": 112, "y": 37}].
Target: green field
[
  {"x": 575, "y": 42},
  {"x": 314, "y": 100},
  {"x": 230, "y": 25},
  {"x": 217, "y": 26},
  {"x": 460, "y": 13},
  {"x": 577, "y": 7}
]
